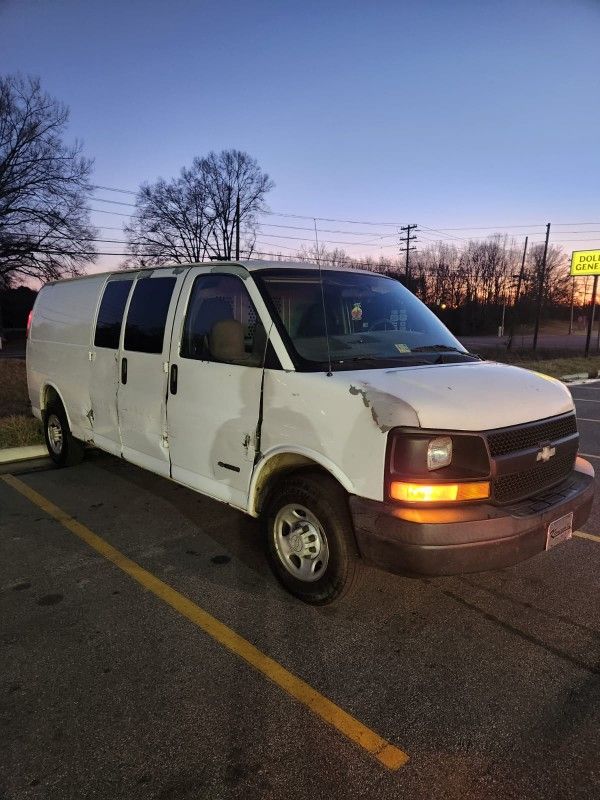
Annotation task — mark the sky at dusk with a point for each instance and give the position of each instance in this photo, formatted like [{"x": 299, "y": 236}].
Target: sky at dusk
[{"x": 448, "y": 114}]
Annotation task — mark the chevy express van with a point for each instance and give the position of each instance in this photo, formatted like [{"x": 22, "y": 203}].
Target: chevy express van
[{"x": 332, "y": 403}]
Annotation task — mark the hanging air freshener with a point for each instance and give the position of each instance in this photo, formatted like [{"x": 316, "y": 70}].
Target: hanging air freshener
[{"x": 356, "y": 312}]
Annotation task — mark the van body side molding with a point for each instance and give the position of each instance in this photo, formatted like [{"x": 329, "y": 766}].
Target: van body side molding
[{"x": 228, "y": 466}]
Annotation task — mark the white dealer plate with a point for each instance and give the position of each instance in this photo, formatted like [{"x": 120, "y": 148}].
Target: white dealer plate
[{"x": 559, "y": 531}]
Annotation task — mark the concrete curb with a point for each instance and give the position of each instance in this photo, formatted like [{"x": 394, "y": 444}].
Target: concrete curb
[
  {"x": 580, "y": 377},
  {"x": 16, "y": 454}
]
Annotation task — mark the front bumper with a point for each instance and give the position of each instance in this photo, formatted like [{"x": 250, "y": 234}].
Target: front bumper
[{"x": 467, "y": 538}]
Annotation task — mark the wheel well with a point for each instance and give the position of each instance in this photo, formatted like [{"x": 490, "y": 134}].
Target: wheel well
[
  {"x": 280, "y": 466},
  {"x": 50, "y": 395}
]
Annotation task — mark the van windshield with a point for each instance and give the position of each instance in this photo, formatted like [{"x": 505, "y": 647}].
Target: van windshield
[{"x": 371, "y": 321}]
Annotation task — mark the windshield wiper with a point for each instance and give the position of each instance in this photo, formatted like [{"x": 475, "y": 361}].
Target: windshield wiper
[
  {"x": 354, "y": 359},
  {"x": 439, "y": 348},
  {"x": 382, "y": 362}
]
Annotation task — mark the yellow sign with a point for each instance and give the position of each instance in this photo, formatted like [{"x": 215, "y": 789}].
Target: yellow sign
[{"x": 585, "y": 262}]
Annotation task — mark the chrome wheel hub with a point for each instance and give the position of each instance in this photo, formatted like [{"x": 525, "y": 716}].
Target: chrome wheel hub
[
  {"x": 301, "y": 543},
  {"x": 55, "y": 434}
]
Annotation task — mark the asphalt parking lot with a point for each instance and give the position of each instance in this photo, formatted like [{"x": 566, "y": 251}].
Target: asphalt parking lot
[{"x": 146, "y": 652}]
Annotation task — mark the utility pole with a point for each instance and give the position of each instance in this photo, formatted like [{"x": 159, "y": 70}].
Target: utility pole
[
  {"x": 237, "y": 228},
  {"x": 572, "y": 300},
  {"x": 407, "y": 240},
  {"x": 538, "y": 313},
  {"x": 591, "y": 316},
  {"x": 513, "y": 320}
]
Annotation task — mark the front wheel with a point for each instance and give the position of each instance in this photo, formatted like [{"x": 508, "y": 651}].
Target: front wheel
[
  {"x": 63, "y": 448},
  {"x": 310, "y": 538}
]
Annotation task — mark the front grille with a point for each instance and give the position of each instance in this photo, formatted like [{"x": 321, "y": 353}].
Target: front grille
[
  {"x": 522, "y": 437},
  {"x": 519, "y": 485}
]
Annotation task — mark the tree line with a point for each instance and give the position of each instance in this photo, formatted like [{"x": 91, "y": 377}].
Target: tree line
[{"x": 472, "y": 283}]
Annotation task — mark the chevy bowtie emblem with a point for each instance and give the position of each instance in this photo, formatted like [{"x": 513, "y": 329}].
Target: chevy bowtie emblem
[{"x": 545, "y": 453}]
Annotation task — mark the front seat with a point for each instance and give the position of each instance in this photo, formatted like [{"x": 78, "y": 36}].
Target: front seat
[
  {"x": 226, "y": 343},
  {"x": 202, "y": 320}
]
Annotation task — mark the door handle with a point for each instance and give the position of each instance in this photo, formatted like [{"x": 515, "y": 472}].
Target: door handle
[
  {"x": 173, "y": 379},
  {"x": 123, "y": 370}
]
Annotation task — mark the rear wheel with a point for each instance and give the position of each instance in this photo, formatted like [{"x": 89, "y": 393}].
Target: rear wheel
[
  {"x": 310, "y": 538},
  {"x": 63, "y": 448}
]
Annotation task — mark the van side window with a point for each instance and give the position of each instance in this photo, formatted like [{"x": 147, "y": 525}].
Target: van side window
[
  {"x": 110, "y": 315},
  {"x": 147, "y": 315},
  {"x": 221, "y": 323}
]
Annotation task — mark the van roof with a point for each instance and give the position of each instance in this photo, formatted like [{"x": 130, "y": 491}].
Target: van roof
[{"x": 251, "y": 266}]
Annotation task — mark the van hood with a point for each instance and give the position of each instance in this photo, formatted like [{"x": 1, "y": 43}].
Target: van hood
[{"x": 474, "y": 396}]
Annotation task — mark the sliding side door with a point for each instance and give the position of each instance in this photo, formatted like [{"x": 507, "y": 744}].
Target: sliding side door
[{"x": 144, "y": 367}]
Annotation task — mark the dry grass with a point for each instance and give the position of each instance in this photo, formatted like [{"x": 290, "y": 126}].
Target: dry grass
[
  {"x": 17, "y": 426},
  {"x": 14, "y": 398},
  {"x": 557, "y": 366},
  {"x": 17, "y": 431}
]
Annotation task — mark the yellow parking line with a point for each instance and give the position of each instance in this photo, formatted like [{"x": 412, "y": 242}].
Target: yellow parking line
[
  {"x": 583, "y": 535},
  {"x": 587, "y": 419},
  {"x": 391, "y": 757},
  {"x": 588, "y": 455}
]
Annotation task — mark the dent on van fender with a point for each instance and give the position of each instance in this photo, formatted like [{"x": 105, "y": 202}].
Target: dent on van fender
[{"x": 384, "y": 406}]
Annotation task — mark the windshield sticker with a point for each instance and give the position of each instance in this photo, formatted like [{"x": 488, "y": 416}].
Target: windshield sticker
[
  {"x": 356, "y": 312},
  {"x": 402, "y": 348}
]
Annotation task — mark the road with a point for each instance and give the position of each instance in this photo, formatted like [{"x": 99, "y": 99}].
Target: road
[
  {"x": 136, "y": 621},
  {"x": 12, "y": 349}
]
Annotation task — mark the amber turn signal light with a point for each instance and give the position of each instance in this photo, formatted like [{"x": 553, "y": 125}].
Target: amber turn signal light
[{"x": 439, "y": 492}]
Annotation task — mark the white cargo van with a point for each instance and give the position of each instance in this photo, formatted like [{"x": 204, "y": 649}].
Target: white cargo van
[{"x": 330, "y": 402}]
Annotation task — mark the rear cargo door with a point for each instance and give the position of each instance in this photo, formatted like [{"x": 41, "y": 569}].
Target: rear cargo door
[{"x": 143, "y": 368}]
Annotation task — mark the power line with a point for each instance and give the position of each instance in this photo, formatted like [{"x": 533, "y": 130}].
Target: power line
[
  {"x": 356, "y": 222},
  {"x": 499, "y": 227},
  {"x": 444, "y": 232},
  {"x": 440, "y": 230},
  {"x": 276, "y": 256},
  {"x": 295, "y": 249},
  {"x": 114, "y": 189},
  {"x": 326, "y": 230},
  {"x": 104, "y": 211},
  {"x": 272, "y": 213},
  {"x": 114, "y": 202},
  {"x": 323, "y": 241},
  {"x": 269, "y": 213}
]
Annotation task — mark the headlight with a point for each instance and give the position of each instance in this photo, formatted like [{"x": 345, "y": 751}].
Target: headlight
[{"x": 439, "y": 453}]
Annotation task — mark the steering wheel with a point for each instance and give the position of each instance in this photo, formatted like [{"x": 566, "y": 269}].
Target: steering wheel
[{"x": 382, "y": 325}]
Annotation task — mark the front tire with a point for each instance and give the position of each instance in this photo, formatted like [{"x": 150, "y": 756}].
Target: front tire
[
  {"x": 63, "y": 448},
  {"x": 310, "y": 538}
]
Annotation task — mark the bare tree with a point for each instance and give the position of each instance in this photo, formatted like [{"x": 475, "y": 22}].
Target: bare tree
[
  {"x": 171, "y": 222},
  {"x": 556, "y": 281},
  {"x": 193, "y": 217},
  {"x": 229, "y": 175},
  {"x": 44, "y": 187},
  {"x": 319, "y": 254}
]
